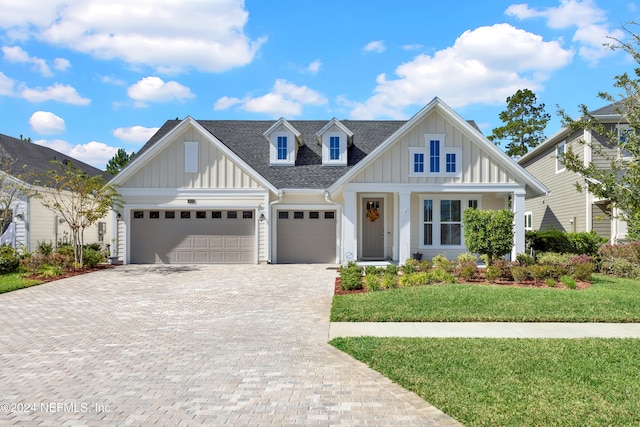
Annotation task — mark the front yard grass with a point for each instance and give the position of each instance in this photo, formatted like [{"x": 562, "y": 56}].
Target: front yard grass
[
  {"x": 12, "y": 281},
  {"x": 609, "y": 299},
  {"x": 513, "y": 382}
]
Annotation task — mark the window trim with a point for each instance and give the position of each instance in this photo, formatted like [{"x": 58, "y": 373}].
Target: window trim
[
  {"x": 333, "y": 150},
  {"x": 559, "y": 166},
  {"x": 282, "y": 150},
  {"x": 436, "y": 219},
  {"x": 620, "y": 128},
  {"x": 528, "y": 219},
  {"x": 444, "y": 153}
]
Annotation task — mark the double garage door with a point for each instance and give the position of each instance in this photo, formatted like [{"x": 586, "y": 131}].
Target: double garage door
[
  {"x": 306, "y": 236},
  {"x": 193, "y": 237}
]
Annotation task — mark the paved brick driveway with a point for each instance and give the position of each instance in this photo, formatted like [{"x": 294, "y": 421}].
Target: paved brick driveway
[{"x": 190, "y": 345}]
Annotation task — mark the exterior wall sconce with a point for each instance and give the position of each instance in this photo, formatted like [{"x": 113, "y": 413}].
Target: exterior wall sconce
[{"x": 262, "y": 218}]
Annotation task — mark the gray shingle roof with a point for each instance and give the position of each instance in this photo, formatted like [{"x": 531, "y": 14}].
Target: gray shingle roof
[
  {"x": 245, "y": 138},
  {"x": 28, "y": 161}
]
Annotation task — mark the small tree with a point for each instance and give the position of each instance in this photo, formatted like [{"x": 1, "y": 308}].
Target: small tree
[
  {"x": 119, "y": 161},
  {"x": 79, "y": 199},
  {"x": 524, "y": 123},
  {"x": 620, "y": 180},
  {"x": 488, "y": 233}
]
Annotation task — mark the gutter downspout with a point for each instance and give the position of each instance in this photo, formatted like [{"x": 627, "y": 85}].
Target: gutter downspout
[
  {"x": 327, "y": 198},
  {"x": 269, "y": 225}
]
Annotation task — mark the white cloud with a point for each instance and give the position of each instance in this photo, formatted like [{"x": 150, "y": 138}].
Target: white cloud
[
  {"x": 484, "y": 65},
  {"x": 314, "y": 67},
  {"x": 94, "y": 153},
  {"x": 376, "y": 46},
  {"x": 61, "y": 64},
  {"x": 17, "y": 54},
  {"x": 6, "y": 85},
  {"x": 157, "y": 90},
  {"x": 46, "y": 123},
  {"x": 226, "y": 102},
  {"x": 167, "y": 35},
  {"x": 412, "y": 47},
  {"x": 592, "y": 27},
  {"x": 113, "y": 80},
  {"x": 135, "y": 134},
  {"x": 285, "y": 99},
  {"x": 57, "y": 92}
]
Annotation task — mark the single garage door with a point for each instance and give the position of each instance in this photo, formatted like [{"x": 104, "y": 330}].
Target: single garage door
[
  {"x": 193, "y": 237},
  {"x": 306, "y": 236}
]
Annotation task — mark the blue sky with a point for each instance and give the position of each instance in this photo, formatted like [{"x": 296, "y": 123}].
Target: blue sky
[{"x": 86, "y": 77}]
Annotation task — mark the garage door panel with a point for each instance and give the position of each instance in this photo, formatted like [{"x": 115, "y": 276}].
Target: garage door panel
[
  {"x": 204, "y": 239},
  {"x": 302, "y": 238}
]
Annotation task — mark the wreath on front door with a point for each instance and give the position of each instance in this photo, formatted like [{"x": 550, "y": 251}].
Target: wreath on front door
[{"x": 373, "y": 214}]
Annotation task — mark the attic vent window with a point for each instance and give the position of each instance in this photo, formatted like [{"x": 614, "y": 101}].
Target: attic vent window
[{"x": 191, "y": 156}]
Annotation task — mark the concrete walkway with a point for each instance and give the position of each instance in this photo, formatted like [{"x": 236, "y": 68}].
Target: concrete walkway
[
  {"x": 189, "y": 345},
  {"x": 485, "y": 330}
]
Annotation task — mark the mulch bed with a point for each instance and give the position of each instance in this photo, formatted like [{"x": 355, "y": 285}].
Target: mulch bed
[
  {"x": 508, "y": 283},
  {"x": 70, "y": 273}
]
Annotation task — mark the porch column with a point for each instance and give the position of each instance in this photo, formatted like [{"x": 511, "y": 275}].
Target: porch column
[
  {"x": 518, "y": 218},
  {"x": 404, "y": 239},
  {"x": 349, "y": 236}
]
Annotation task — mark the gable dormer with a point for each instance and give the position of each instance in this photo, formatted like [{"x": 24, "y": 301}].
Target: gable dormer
[
  {"x": 334, "y": 138},
  {"x": 284, "y": 141}
]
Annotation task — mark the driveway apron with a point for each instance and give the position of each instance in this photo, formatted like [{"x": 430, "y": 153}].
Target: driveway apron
[{"x": 189, "y": 345}]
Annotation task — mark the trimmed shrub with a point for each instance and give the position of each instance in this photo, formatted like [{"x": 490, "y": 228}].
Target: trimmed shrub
[
  {"x": 539, "y": 272},
  {"x": 9, "y": 259},
  {"x": 620, "y": 260},
  {"x": 492, "y": 272},
  {"x": 548, "y": 241},
  {"x": 372, "y": 282},
  {"x": 441, "y": 262},
  {"x": 351, "y": 276},
  {"x": 550, "y": 282},
  {"x": 568, "y": 282},
  {"x": 505, "y": 268},
  {"x": 391, "y": 270},
  {"x": 466, "y": 257},
  {"x": 525, "y": 259},
  {"x": 520, "y": 273},
  {"x": 91, "y": 257},
  {"x": 410, "y": 266},
  {"x": 45, "y": 248},
  {"x": 440, "y": 276},
  {"x": 581, "y": 267},
  {"x": 553, "y": 258},
  {"x": 467, "y": 271},
  {"x": 586, "y": 243},
  {"x": 389, "y": 281}
]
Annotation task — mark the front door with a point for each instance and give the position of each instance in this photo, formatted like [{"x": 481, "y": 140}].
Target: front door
[{"x": 373, "y": 228}]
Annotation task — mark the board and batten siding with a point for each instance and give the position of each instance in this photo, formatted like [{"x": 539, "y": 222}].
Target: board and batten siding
[
  {"x": 564, "y": 203},
  {"x": 392, "y": 166},
  {"x": 215, "y": 170}
]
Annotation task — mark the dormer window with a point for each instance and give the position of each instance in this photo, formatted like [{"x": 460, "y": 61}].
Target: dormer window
[
  {"x": 282, "y": 148},
  {"x": 334, "y": 148},
  {"x": 335, "y": 139},
  {"x": 284, "y": 141},
  {"x": 435, "y": 158}
]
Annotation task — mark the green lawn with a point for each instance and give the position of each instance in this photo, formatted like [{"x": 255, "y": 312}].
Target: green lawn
[
  {"x": 607, "y": 300},
  {"x": 513, "y": 382},
  {"x": 13, "y": 281}
]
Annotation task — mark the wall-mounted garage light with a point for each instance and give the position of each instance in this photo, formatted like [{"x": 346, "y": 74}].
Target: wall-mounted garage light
[
  {"x": 191, "y": 201},
  {"x": 262, "y": 218}
]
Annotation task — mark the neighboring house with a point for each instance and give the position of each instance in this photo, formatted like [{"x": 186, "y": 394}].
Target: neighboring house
[
  {"x": 565, "y": 208},
  {"x": 313, "y": 191},
  {"x": 24, "y": 165}
]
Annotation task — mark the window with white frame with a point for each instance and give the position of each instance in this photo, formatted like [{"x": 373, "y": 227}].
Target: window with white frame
[
  {"x": 282, "y": 148},
  {"x": 561, "y": 148},
  {"x": 442, "y": 221},
  {"x": 625, "y": 133},
  {"x": 435, "y": 158},
  {"x": 527, "y": 220},
  {"x": 334, "y": 148},
  {"x": 418, "y": 162}
]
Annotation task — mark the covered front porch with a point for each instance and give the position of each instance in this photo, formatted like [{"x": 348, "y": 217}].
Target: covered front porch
[{"x": 392, "y": 222}]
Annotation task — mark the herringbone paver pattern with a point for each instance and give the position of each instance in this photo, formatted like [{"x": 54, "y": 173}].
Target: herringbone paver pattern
[{"x": 189, "y": 345}]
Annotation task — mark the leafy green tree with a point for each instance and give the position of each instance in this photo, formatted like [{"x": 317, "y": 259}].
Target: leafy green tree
[
  {"x": 119, "y": 161},
  {"x": 620, "y": 181},
  {"x": 79, "y": 199},
  {"x": 524, "y": 123},
  {"x": 487, "y": 232}
]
